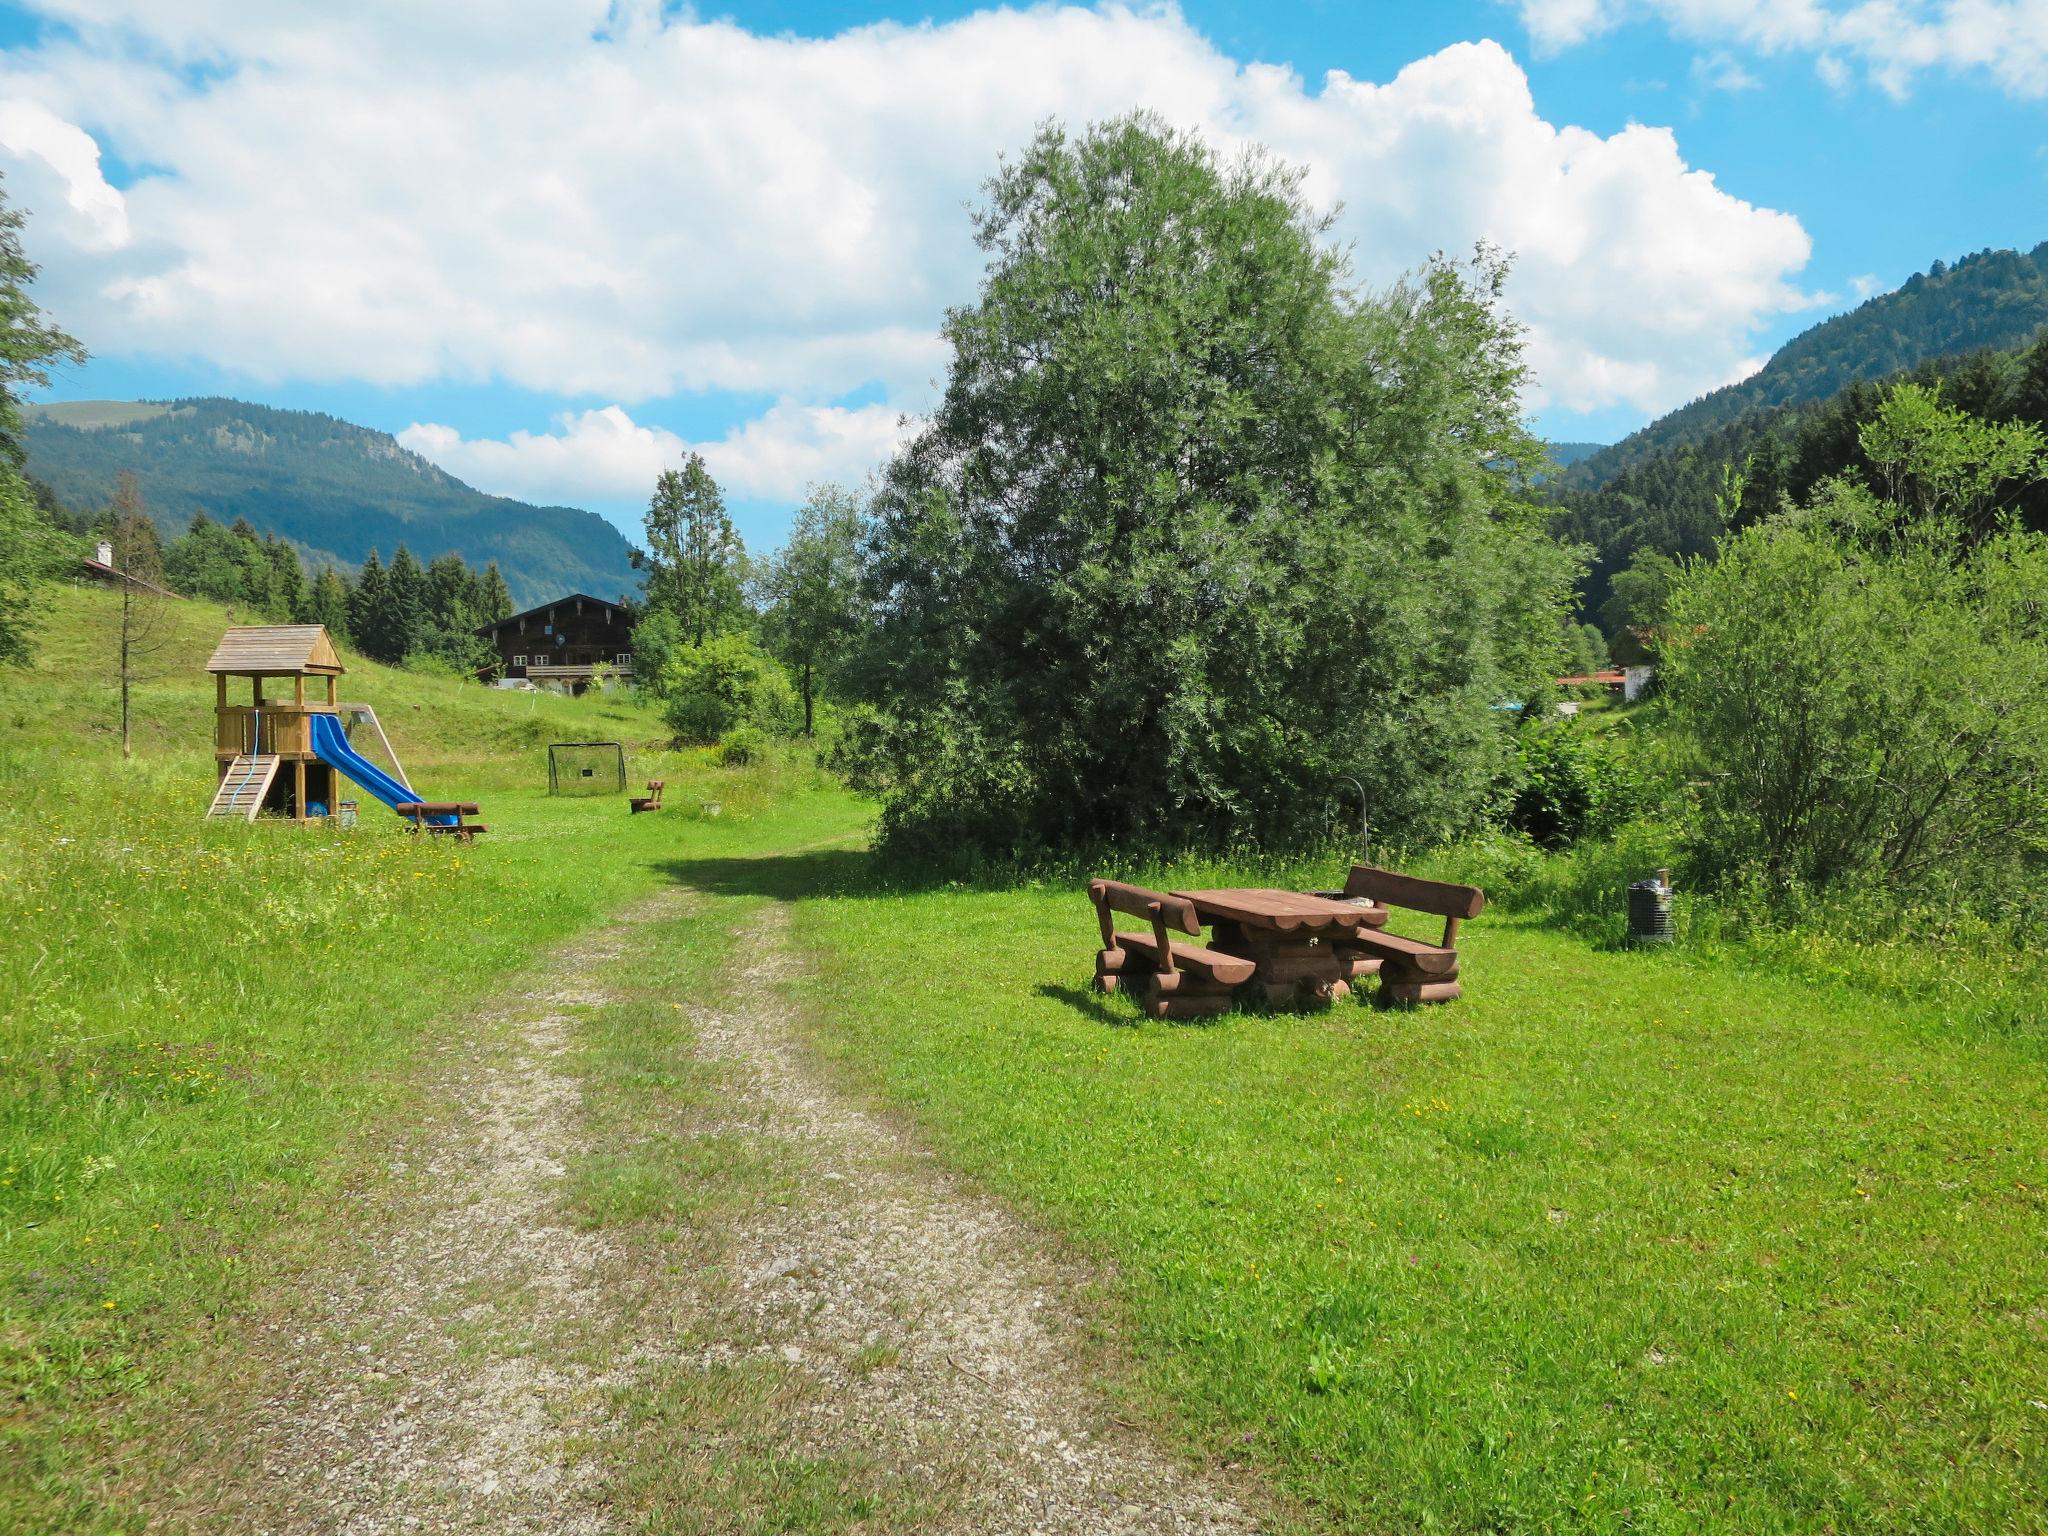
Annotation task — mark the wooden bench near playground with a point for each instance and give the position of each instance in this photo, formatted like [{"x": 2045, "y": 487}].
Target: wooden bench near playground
[
  {"x": 443, "y": 818},
  {"x": 1280, "y": 947}
]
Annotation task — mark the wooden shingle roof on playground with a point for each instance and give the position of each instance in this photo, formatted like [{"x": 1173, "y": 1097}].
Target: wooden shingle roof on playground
[{"x": 276, "y": 650}]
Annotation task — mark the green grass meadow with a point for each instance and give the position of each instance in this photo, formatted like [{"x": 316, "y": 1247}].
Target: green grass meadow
[
  {"x": 1724, "y": 1239},
  {"x": 1619, "y": 1242},
  {"x": 198, "y": 1021}
]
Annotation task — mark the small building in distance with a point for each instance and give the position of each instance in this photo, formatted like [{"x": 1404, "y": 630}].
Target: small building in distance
[
  {"x": 101, "y": 568},
  {"x": 563, "y": 644}
]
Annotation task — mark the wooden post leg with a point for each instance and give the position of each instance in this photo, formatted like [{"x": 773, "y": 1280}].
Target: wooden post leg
[{"x": 299, "y": 791}]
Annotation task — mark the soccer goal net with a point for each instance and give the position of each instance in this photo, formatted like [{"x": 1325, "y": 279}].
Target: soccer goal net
[{"x": 586, "y": 768}]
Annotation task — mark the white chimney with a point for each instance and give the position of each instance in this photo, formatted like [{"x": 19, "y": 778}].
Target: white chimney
[{"x": 105, "y": 554}]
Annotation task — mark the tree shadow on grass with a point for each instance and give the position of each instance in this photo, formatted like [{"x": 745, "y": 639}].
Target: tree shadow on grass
[
  {"x": 796, "y": 876},
  {"x": 1096, "y": 1005},
  {"x": 1100, "y": 1010}
]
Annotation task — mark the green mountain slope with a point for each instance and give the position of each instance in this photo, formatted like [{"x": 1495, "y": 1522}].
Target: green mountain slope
[
  {"x": 1993, "y": 299},
  {"x": 1679, "y": 500},
  {"x": 333, "y": 489}
]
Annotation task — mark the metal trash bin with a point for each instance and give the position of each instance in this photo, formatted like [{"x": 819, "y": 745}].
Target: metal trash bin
[
  {"x": 346, "y": 814},
  {"x": 1649, "y": 910}
]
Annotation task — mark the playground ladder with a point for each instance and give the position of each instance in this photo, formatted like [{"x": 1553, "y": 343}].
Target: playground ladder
[{"x": 243, "y": 787}]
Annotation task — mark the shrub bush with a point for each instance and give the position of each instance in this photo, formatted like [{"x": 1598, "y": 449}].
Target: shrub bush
[
  {"x": 1579, "y": 783},
  {"x": 1870, "y": 697},
  {"x": 740, "y": 747},
  {"x": 710, "y": 686}
]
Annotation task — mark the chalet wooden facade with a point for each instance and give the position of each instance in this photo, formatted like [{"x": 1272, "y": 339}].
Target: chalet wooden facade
[{"x": 562, "y": 644}]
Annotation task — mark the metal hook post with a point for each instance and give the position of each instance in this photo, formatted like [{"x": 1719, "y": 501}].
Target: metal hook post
[{"x": 1364, "y": 826}]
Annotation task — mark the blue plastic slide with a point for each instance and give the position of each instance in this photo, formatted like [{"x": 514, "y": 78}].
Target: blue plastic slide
[{"x": 330, "y": 745}]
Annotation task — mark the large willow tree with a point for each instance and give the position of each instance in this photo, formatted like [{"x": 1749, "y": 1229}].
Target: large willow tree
[{"x": 1196, "y": 529}]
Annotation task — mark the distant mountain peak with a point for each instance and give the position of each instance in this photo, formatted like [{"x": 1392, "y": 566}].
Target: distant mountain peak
[
  {"x": 332, "y": 488},
  {"x": 1987, "y": 299}
]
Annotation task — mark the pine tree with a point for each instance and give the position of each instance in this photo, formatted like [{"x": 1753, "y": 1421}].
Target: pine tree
[
  {"x": 327, "y": 602},
  {"x": 287, "y": 580},
  {"x": 369, "y": 604},
  {"x": 408, "y": 601},
  {"x": 494, "y": 598}
]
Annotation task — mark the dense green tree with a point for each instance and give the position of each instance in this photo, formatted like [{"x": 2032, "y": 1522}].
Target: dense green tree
[
  {"x": 1866, "y": 680},
  {"x": 696, "y": 564},
  {"x": 327, "y": 603},
  {"x": 454, "y": 611},
  {"x": 407, "y": 610},
  {"x": 287, "y": 580},
  {"x": 1638, "y": 596},
  {"x": 709, "y": 689},
  {"x": 810, "y": 592},
  {"x": 29, "y": 343},
  {"x": 1195, "y": 531},
  {"x": 369, "y": 610},
  {"x": 30, "y": 549},
  {"x": 494, "y": 598}
]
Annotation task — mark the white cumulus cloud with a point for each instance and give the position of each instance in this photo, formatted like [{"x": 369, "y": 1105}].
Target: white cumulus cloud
[
  {"x": 605, "y": 455},
  {"x": 59, "y": 164},
  {"x": 608, "y": 203},
  {"x": 1894, "y": 40}
]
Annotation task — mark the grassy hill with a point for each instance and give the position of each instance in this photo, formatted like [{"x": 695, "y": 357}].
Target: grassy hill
[
  {"x": 334, "y": 490},
  {"x": 1990, "y": 299},
  {"x": 1716, "y": 1239}
]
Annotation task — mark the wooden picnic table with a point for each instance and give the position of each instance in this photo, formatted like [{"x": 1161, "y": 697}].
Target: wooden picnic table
[{"x": 1296, "y": 940}]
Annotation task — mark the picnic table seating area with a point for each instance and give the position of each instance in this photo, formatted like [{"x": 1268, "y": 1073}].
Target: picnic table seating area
[
  {"x": 1411, "y": 970},
  {"x": 651, "y": 801},
  {"x": 1178, "y": 980},
  {"x": 444, "y": 818},
  {"x": 1283, "y": 948}
]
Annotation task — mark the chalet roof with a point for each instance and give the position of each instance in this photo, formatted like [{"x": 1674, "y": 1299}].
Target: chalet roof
[
  {"x": 276, "y": 650},
  {"x": 547, "y": 607}
]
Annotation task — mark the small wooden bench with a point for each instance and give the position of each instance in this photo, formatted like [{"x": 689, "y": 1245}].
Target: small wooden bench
[
  {"x": 1412, "y": 971},
  {"x": 651, "y": 801},
  {"x": 1182, "y": 981},
  {"x": 447, "y": 818}
]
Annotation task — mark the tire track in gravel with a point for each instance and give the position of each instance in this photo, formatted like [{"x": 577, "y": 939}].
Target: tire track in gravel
[
  {"x": 456, "y": 1368},
  {"x": 445, "y": 1374},
  {"x": 988, "y": 1402}
]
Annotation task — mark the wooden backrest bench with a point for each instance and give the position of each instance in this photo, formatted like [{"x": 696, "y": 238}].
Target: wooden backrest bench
[
  {"x": 651, "y": 801},
  {"x": 1181, "y": 980},
  {"x": 446, "y": 818},
  {"x": 1414, "y": 971}
]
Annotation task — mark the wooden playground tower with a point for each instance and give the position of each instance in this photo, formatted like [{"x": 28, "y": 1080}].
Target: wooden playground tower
[{"x": 263, "y": 749}]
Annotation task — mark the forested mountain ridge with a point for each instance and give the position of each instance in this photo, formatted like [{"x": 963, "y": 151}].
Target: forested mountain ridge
[
  {"x": 1992, "y": 299},
  {"x": 1681, "y": 500},
  {"x": 332, "y": 489}
]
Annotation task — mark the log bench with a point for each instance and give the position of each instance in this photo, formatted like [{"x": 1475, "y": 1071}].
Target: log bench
[
  {"x": 446, "y": 818},
  {"x": 651, "y": 801},
  {"x": 1179, "y": 980},
  {"x": 1411, "y": 970}
]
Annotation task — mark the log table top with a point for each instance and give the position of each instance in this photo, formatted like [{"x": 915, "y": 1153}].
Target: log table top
[{"x": 1280, "y": 911}]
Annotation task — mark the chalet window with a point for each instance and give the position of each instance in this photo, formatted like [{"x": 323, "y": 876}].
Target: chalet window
[
  {"x": 518, "y": 661},
  {"x": 540, "y": 661},
  {"x": 625, "y": 658}
]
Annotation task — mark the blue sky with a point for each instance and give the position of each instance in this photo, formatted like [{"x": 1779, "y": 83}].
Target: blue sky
[{"x": 554, "y": 246}]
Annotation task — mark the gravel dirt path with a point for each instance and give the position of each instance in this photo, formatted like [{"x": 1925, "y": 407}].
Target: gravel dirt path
[
  {"x": 459, "y": 1367},
  {"x": 986, "y": 1397}
]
